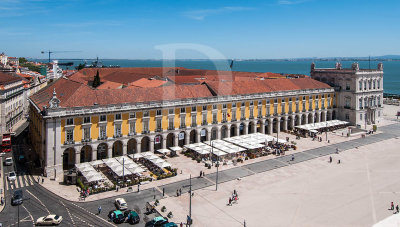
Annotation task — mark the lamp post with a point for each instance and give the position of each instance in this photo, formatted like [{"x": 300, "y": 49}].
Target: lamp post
[{"x": 190, "y": 200}]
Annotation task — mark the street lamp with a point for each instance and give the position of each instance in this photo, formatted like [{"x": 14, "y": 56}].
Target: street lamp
[{"x": 189, "y": 219}]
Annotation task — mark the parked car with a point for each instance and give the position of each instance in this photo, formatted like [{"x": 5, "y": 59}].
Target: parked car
[
  {"x": 118, "y": 216},
  {"x": 12, "y": 176},
  {"x": 157, "y": 222},
  {"x": 170, "y": 224},
  {"x": 51, "y": 219},
  {"x": 132, "y": 217},
  {"x": 8, "y": 161},
  {"x": 121, "y": 204},
  {"x": 17, "y": 198}
]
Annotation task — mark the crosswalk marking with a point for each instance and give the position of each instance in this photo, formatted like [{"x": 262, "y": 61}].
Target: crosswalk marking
[{"x": 21, "y": 182}]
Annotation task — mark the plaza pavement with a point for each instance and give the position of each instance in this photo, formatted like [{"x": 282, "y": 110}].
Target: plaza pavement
[{"x": 356, "y": 192}]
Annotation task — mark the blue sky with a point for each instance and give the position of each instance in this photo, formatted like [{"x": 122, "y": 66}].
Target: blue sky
[{"x": 236, "y": 29}]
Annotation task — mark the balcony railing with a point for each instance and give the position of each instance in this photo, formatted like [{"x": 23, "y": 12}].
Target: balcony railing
[
  {"x": 215, "y": 122},
  {"x": 182, "y": 126},
  {"x": 171, "y": 128},
  {"x": 193, "y": 125},
  {"x": 145, "y": 132},
  {"x": 204, "y": 123},
  {"x": 117, "y": 135},
  {"x": 223, "y": 121},
  {"x": 233, "y": 120},
  {"x": 259, "y": 116},
  {"x": 86, "y": 140},
  {"x": 251, "y": 117},
  {"x": 132, "y": 134},
  {"x": 242, "y": 118},
  {"x": 69, "y": 142},
  {"x": 159, "y": 129}
]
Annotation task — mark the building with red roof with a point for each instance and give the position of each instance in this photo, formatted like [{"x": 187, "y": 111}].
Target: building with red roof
[{"x": 146, "y": 109}]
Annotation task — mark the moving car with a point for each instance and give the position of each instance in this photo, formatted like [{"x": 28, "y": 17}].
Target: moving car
[
  {"x": 8, "y": 161},
  {"x": 51, "y": 219},
  {"x": 12, "y": 176},
  {"x": 121, "y": 204},
  {"x": 118, "y": 216},
  {"x": 17, "y": 198},
  {"x": 157, "y": 222},
  {"x": 132, "y": 217}
]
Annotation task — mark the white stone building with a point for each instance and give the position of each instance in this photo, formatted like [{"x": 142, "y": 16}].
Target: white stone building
[{"x": 359, "y": 92}]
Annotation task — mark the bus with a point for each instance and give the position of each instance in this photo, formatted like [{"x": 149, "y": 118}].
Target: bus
[{"x": 6, "y": 143}]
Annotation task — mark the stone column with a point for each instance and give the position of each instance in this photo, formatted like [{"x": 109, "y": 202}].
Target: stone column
[
  {"x": 151, "y": 143},
  {"x": 292, "y": 122},
  {"x": 228, "y": 131},
  {"x": 270, "y": 126},
  {"x": 78, "y": 157},
  {"x": 219, "y": 132},
  {"x": 209, "y": 135},
  {"x": 109, "y": 152},
  {"x": 94, "y": 155},
  {"x": 187, "y": 136},
  {"x": 124, "y": 149},
  {"x": 285, "y": 121},
  {"x": 176, "y": 142},
  {"x": 237, "y": 129},
  {"x": 262, "y": 127},
  {"x": 139, "y": 147},
  {"x": 278, "y": 124},
  {"x": 299, "y": 119},
  {"x": 312, "y": 118},
  {"x": 164, "y": 142},
  {"x": 246, "y": 128},
  {"x": 198, "y": 136}
]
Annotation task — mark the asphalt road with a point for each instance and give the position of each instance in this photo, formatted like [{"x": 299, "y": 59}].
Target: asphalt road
[{"x": 41, "y": 202}]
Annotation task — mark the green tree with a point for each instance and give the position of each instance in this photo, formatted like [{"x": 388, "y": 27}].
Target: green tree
[
  {"x": 96, "y": 80},
  {"x": 22, "y": 60},
  {"x": 80, "y": 66}
]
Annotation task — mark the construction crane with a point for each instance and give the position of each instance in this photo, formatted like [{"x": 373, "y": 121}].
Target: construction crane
[{"x": 54, "y": 52}]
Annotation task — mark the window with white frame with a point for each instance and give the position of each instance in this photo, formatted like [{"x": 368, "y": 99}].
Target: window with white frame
[
  {"x": 159, "y": 124},
  {"x": 146, "y": 126},
  {"x": 118, "y": 116},
  {"x": 70, "y": 121},
  {"x": 379, "y": 84},
  {"x": 374, "y": 84},
  {"x": 223, "y": 116},
  {"x": 86, "y": 120},
  {"x": 243, "y": 104},
  {"x": 171, "y": 123},
  {"x": 251, "y": 112},
  {"x": 194, "y": 122},
  {"x": 234, "y": 115},
  {"x": 146, "y": 113},
  {"x": 379, "y": 101},
  {"x": 132, "y": 115},
  {"x": 86, "y": 133},
  {"x": 70, "y": 135},
  {"x": 103, "y": 118},
  {"x": 183, "y": 110},
  {"x": 103, "y": 131},
  {"x": 158, "y": 112},
  {"x": 234, "y": 104},
  {"x": 365, "y": 102},
  {"x": 259, "y": 113},
  {"x": 361, "y": 116},
  {"x": 193, "y": 108},
  {"x": 224, "y": 106},
  {"x": 242, "y": 113},
  {"x": 204, "y": 118},
  {"x": 214, "y": 116},
  {"x": 204, "y": 107},
  {"x": 132, "y": 127},
  {"x": 214, "y": 106},
  {"x": 117, "y": 129},
  {"x": 365, "y": 85},
  {"x": 360, "y": 103},
  {"x": 170, "y": 111},
  {"x": 275, "y": 109},
  {"x": 183, "y": 122}
]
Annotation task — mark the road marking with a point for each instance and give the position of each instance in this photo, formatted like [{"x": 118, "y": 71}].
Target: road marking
[
  {"x": 38, "y": 200},
  {"x": 6, "y": 180},
  {"x": 30, "y": 215},
  {"x": 17, "y": 182},
  {"x": 69, "y": 213},
  {"x": 93, "y": 214},
  {"x": 83, "y": 221}
]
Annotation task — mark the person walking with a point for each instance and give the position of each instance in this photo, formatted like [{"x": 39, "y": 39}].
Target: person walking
[
  {"x": 292, "y": 157},
  {"x": 42, "y": 180},
  {"x": 397, "y": 209},
  {"x": 330, "y": 159},
  {"x": 230, "y": 201},
  {"x": 337, "y": 150},
  {"x": 391, "y": 206},
  {"x": 38, "y": 179},
  {"x": 99, "y": 210},
  {"x": 338, "y": 162},
  {"x": 177, "y": 192},
  {"x": 180, "y": 191}
]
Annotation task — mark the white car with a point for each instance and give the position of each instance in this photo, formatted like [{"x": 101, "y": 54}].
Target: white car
[
  {"x": 50, "y": 219},
  {"x": 8, "y": 161},
  {"x": 12, "y": 176},
  {"x": 121, "y": 204}
]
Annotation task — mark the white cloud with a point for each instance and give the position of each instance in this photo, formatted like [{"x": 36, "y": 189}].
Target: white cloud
[
  {"x": 291, "y": 2},
  {"x": 203, "y": 13}
]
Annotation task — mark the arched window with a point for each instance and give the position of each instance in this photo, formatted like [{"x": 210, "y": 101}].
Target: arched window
[{"x": 360, "y": 103}]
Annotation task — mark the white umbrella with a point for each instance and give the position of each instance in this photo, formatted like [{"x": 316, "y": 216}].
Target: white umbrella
[
  {"x": 177, "y": 148},
  {"x": 136, "y": 170},
  {"x": 81, "y": 165},
  {"x": 219, "y": 152},
  {"x": 86, "y": 169},
  {"x": 159, "y": 160},
  {"x": 137, "y": 155},
  {"x": 163, "y": 151},
  {"x": 152, "y": 157},
  {"x": 96, "y": 162},
  {"x": 163, "y": 164},
  {"x": 147, "y": 153}
]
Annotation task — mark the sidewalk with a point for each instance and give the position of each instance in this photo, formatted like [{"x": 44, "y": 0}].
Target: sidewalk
[{"x": 2, "y": 194}]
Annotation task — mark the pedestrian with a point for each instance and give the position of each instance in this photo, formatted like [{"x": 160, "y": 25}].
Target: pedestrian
[
  {"x": 337, "y": 150},
  {"x": 292, "y": 157},
  {"x": 99, "y": 210},
  {"x": 397, "y": 209},
  {"x": 234, "y": 192},
  {"x": 330, "y": 159},
  {"x": 180, "y": 191},
  {"x": 181, "y": 224},
  {"x": 338, "y": 162},
  {"x": 38, "y": 179},
  {"x": 230, "y": 201},
  {"x": 177, "y": 193},
  {"x": 391, "y": 206},
  {"x": 200, "y": 173},
  {"x": 42, "y": 180},
  {"x": 112, "y": 216},
  {"x": 2, "y": 200}
]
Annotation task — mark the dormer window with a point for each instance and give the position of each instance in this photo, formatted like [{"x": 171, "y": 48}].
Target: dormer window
[{"x": 118, "y": 116}]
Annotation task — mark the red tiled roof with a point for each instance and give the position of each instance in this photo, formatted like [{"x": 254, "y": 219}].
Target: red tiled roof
[
  {"x": 7, "y": 78},
  {"x": 144, "y": 82},
  {"x": 110, "y": 85},
  {"x": 263, "y": 86},
  {"x": 75, "y": 94}
]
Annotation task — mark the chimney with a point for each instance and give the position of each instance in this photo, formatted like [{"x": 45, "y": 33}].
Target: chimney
[{"x": 355, "y": 66}]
